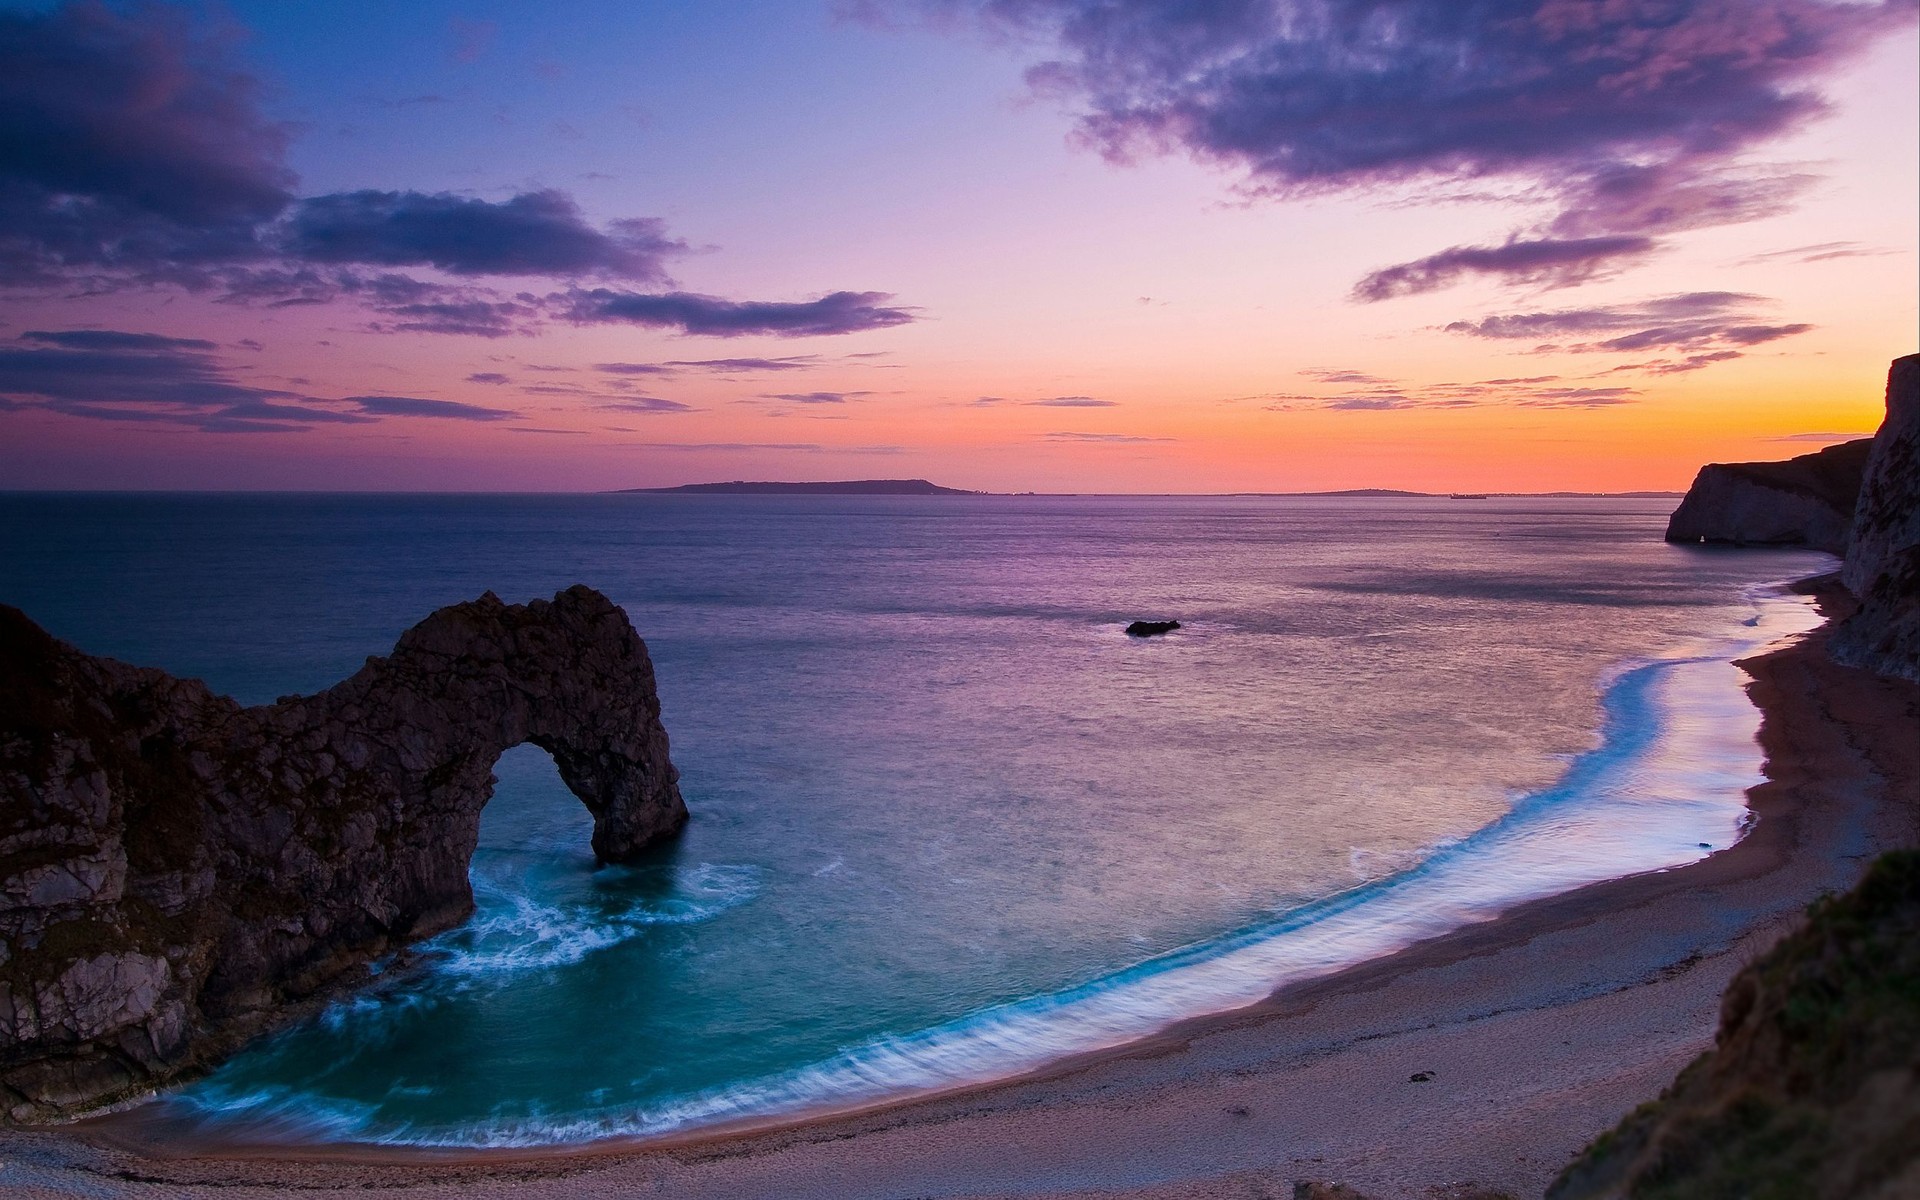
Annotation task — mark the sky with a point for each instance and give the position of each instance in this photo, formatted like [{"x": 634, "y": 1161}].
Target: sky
[{"x": 1011, "y": 245}]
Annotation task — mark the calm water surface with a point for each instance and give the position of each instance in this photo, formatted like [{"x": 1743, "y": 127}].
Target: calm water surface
[{"x": 948, "y": 821}]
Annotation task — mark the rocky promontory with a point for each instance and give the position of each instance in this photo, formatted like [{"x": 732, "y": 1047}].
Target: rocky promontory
[
  {"x": 1882, "y": 566},
  {"x": 1804, "y": 501},
  {"x": 178, "y": 873},
  {"x": 1860, "y": 500}
]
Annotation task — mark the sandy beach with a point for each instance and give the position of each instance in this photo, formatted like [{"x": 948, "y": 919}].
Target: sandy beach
[{"x": 1491, "y": 1055}]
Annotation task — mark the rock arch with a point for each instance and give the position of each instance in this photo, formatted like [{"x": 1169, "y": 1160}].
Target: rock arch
[{"x": 178, "y": 873}]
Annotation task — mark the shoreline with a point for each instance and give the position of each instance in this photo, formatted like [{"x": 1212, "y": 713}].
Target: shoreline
[{"x": 1232, "y": 1103}]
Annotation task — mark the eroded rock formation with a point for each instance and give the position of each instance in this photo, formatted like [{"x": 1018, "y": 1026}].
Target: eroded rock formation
[
  {"x": 176, "y": 870},
  {"x": 1804, "y": 501},
  {"x": 1883, "y": 558}
]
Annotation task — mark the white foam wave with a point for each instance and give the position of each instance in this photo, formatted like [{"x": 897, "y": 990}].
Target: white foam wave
[{"x": 513, "y": 930}]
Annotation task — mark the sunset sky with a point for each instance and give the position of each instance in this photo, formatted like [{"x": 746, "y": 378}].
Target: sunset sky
[{"x": 1052, "y": 245}]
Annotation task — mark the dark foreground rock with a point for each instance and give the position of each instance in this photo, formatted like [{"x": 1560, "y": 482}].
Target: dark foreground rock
[
  {"x": 176, "y": 871},
  {"x": 1882, "y": 564},
  {"x": 1151, "y": 628},
  {"x": 1812, "y": 1089},
  {"x": 1804, "y": 501}
]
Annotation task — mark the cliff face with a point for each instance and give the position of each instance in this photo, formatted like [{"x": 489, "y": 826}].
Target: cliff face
[
  {"x": 1804, "y": 501},
  {"x": 1813, "y": 1086},
  {"x": 175, "y": 870},
  {"x": 1883, "y": 557}
]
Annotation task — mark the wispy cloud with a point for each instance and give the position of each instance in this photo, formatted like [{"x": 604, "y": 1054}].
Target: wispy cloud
[
  {"x": 646, "y": 404},
  {"x": 1551, "y": 262},
  {"x": 1704, "y": 327},
  {"x": 815, "y": 397},
  {"x": 711, "y": 316},
  {"x": 534, "y": 234},
  {"x": 1045, "y": 402},
  {"x": 1818, "y": 252},
  {"x": 1537, "y": 391},
  {"x": 110, "y": 375},
  {"x": 416, "y": 406},
  {"x": 1103, "y": 438},
  {"x": 744, "y": 366},
  {"x": 794, "y": 447}
]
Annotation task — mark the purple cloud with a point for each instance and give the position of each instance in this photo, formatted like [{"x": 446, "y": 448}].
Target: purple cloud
[
  {"x": 1819, "y": 252},
  {"x": 711, "y": 316},
  {"x": 473, "y": 317},
  {"x": 1549, "y": 261},
  {"x": 1047, "y": 402},
  {"x": 112, "y": 340},
  {"x": 1342, "y": 376},
  {"x": 646, "y": 404},
  {"x": 127, "y": 145},
  {"x": 815, "y": 397},
  {"x": 722, "y": 366},
  {"x": 796, "y": 447},
  {"x": 493, "y": 377},
  {"x": 103, "y": 368},
  {"x": 1822, "y": 437},
  {"x": 1515, "y": 392},
  {"x": 1709, "y": 327},
  {"x": 110, "y": 375},
  {"x": 538, "y": 233},
  {"x": 1630, "y": 116},
  {"x": 717, "y": 366},
  {"x": 1104, "y": 438},
  {"x": 415, "y": 406},
  {"x": 133, "y": 153}
]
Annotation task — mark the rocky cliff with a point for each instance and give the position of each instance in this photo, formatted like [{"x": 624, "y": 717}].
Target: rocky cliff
[
  {"x": 1883, "y": 556},
  {"x": 176, "y": 870},
  {"x": 1804, "y": 501}
]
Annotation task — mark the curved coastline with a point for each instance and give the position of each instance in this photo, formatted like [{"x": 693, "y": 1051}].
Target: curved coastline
[
  {"x": 1658, "y": 945},
  {"x": 1664, "y": 786}
]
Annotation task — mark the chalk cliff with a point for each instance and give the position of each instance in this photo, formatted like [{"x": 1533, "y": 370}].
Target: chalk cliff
[
  {"x": 1883, "y": 557},
  {"x": 176, "y": 871},
  {"x": 1804, "y": 501}
]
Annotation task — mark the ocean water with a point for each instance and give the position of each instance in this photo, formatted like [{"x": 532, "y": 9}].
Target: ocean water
[{"x": 949, "y": 823}]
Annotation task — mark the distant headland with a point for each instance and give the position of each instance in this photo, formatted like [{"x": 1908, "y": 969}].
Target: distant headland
[
  {"x": 844, "y": 487},
  {"x": 922, "y": 487}
]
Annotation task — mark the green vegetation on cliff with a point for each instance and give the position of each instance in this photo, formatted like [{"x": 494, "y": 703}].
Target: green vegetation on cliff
[{"x": 1813, "y": 1086}]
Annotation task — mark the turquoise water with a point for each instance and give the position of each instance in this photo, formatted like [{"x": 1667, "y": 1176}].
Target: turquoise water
[{"x": 949, "y": 823}]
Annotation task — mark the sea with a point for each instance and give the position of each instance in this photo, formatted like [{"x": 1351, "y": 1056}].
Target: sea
[{"x": 950, "y": 823}]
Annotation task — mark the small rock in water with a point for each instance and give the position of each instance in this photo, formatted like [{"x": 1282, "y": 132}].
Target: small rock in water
[
  {"x": 1151, "y": 628},
  {"x": 1314, "y": 1189},
  {"x": 1420, "y": 1077}
]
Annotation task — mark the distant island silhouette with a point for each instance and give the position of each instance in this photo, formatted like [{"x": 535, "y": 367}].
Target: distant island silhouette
[
  {"x": 845, "y": 487},
  {"x": 922, "y": 487}
]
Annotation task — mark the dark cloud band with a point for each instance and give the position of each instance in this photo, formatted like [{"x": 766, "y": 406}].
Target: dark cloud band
[
  {"x": 711, "y": 316},
  {"x": 109, "y": 375},
  {"x": 538, "y": 233}
]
